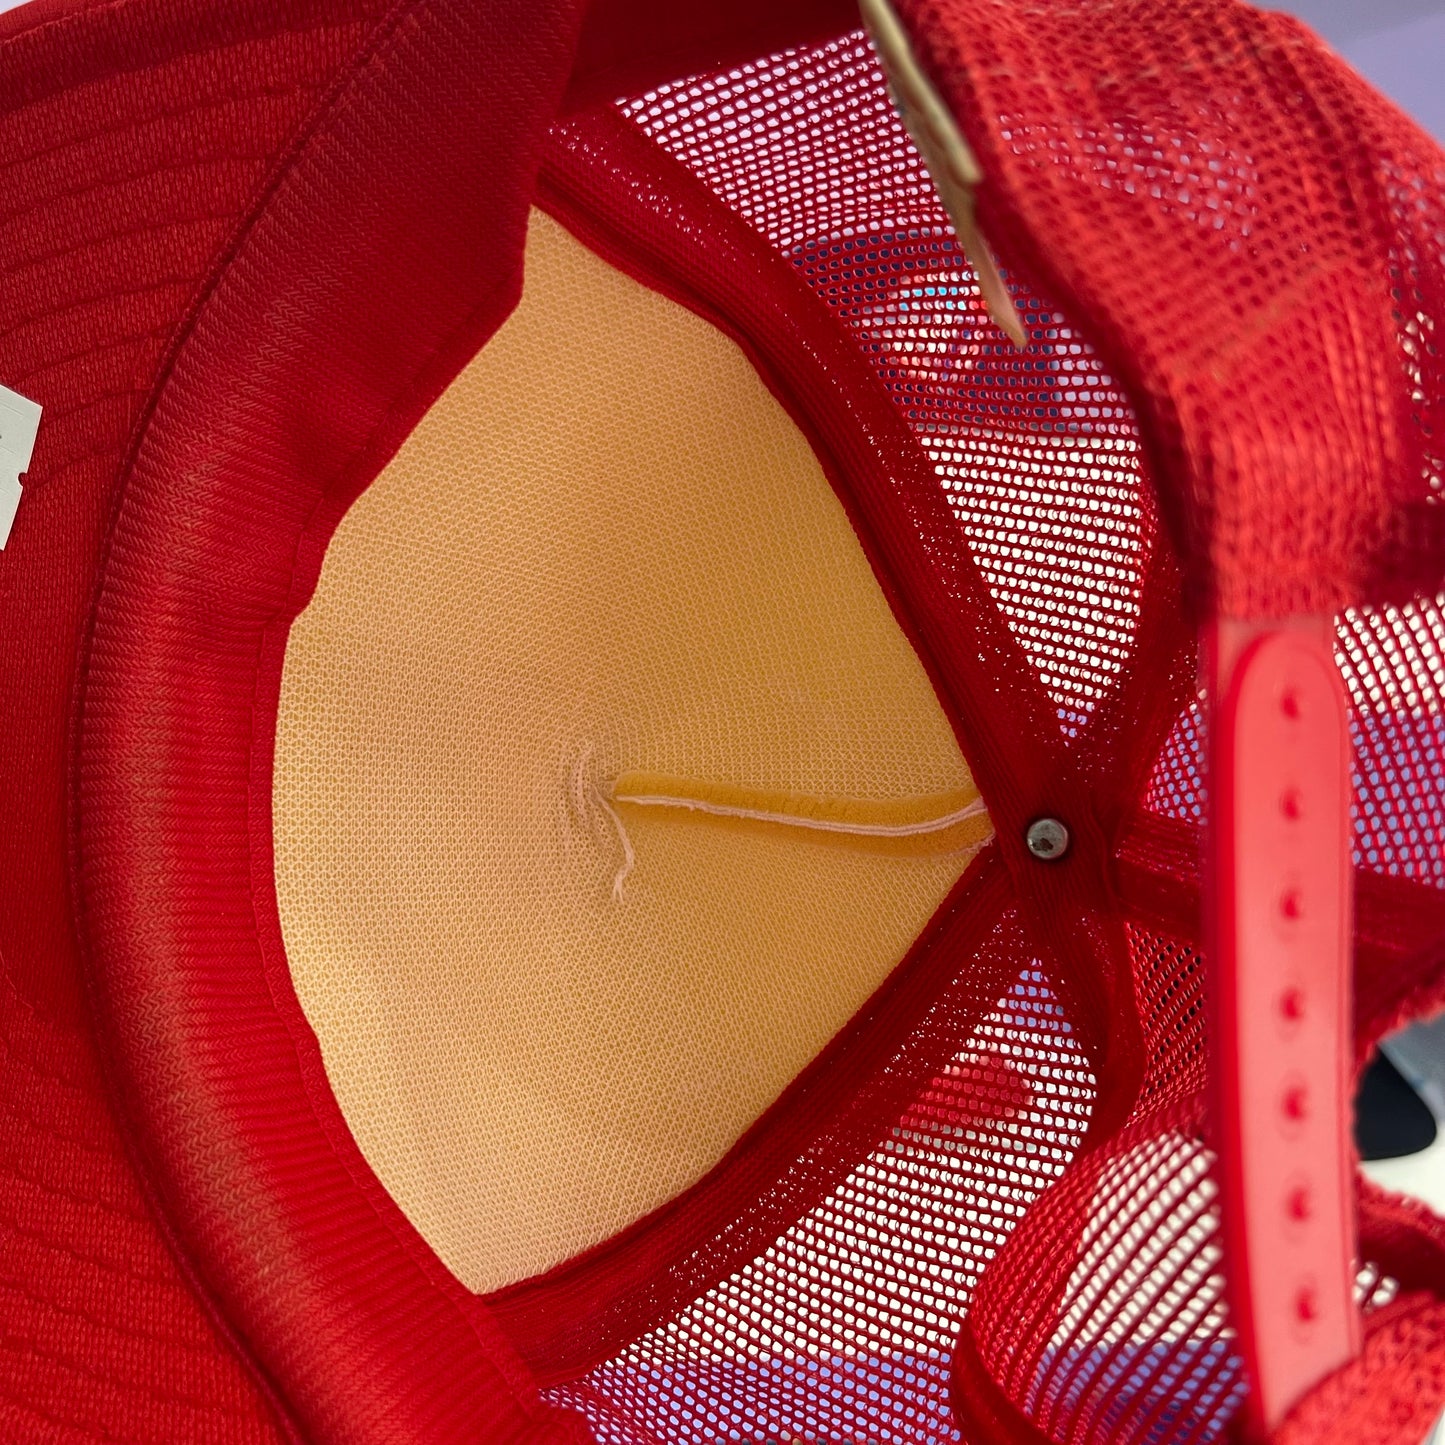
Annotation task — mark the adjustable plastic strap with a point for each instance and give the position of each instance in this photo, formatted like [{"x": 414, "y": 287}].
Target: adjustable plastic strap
[{"x": 1280, "y": 930}]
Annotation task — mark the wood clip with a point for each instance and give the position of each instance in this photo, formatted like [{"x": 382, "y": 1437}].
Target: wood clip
[{"x": 948, "y": 156}]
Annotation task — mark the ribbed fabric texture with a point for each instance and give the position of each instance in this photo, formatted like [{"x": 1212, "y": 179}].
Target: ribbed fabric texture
[
  {"x": 984, "y": 1210},
  {"x": 120, "y": 188}
]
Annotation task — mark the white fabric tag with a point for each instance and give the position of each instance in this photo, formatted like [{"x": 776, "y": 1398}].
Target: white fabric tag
[{"x": 19, "y": 423}]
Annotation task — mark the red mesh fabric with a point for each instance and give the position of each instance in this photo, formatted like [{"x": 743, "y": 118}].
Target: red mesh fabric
[
  {"x": 1084, "y": 1268},
  {"x": 1037, "y": 451},
  {"x": 1392, "y": 1393},
  {"x": 1002, "y": 1204},
  {"x": 1255, "y": 237},
  {"x": 841, "y": 1330},
  {"x": 1392, "y": 662}
]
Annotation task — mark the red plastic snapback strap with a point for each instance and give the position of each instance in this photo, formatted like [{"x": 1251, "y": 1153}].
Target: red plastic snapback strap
[{"x": 1280, "y": 917}]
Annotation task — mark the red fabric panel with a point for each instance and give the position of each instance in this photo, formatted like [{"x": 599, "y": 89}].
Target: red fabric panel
[
  {"x": 101, "y": 1335},
  {"x": 1392, "y": 1393},
  {"x": 118, "y": 196},
  {"x": 50, "y": 47},
  {"x": 628, "y": 46},
  {"x": 1232, "y": 214},
  {"x": 116, "y": 209},
  {"x": 387, "y": 250}
]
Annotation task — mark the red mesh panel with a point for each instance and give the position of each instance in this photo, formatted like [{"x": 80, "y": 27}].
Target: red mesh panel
[
  {"x": 1101, "y": 1311},
  {"x": 1127, "y": 1339},
  {"x": 1176, "y": 787},
  {"x": 1393, "y": 660},
  {"x": 1255, "y": 238},
  {"x": 1037, "y": 451},
  {"x": 842, "y": 1329},
  {"x": 1138, "y": 1342}
]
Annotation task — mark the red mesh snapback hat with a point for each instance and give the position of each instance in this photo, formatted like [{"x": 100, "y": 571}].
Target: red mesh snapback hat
[{"x": 721, "y": 723}]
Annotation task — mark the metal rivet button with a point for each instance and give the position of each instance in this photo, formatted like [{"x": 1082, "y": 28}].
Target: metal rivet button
[{"x": 1048, "y": 839}]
